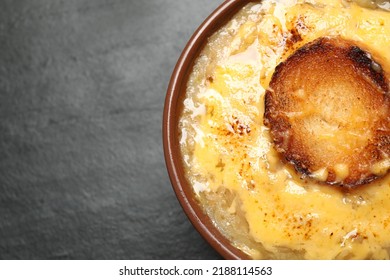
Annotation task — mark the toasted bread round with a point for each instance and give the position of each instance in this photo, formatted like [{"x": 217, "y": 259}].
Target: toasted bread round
[{"x": 328, "y": 110}]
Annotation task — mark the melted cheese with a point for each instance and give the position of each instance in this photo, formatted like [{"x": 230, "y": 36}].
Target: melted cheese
[{"x": 228, "y": 146}]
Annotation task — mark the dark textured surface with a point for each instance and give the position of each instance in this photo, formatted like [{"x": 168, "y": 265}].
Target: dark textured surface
[{"x": 82, "y": 86}]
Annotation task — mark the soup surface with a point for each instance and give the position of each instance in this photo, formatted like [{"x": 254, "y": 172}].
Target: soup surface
[{"x": 257, "y": 200}]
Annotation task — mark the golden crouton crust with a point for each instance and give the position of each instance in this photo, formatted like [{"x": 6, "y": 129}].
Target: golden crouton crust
[{"x": 328, "y": 110}]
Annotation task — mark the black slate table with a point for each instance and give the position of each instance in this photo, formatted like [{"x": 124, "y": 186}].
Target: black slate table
[{"x": 82, "y": 87}]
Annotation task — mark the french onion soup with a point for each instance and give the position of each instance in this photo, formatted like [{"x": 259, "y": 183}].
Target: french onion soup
[{"x": 285, "y": 129}]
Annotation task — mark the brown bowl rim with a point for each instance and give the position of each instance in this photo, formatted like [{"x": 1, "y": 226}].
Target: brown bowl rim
[{"x": 172, "y": 154}]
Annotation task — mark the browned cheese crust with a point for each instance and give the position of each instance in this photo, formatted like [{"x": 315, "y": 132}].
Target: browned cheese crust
[{"x": 327, "y": 108}]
